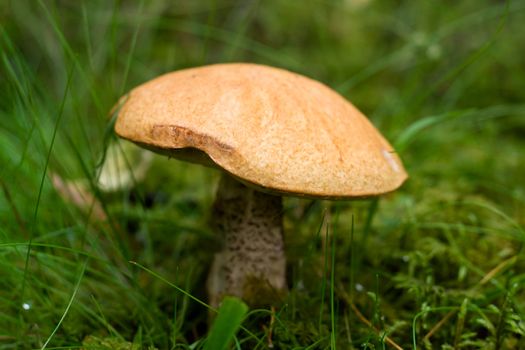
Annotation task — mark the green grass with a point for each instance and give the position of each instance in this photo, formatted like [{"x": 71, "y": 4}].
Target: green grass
[{"x": 435, "y": 265}]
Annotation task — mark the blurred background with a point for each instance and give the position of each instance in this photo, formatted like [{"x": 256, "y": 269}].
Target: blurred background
[{"x": 437, "y": 264}]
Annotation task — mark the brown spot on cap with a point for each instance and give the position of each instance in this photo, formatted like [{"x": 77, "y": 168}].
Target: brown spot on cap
[{"x": 180, "y": 137}]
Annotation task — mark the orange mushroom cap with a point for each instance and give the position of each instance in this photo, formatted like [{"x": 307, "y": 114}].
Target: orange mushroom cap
[{"x": 273, "y": 129}]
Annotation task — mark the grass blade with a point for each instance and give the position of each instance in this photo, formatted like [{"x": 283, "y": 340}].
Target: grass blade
[
  {"x": 77, "y": 286},
  {"x": 228, "y": 321}
]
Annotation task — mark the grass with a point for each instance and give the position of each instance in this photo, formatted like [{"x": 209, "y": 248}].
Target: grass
[{"x": 437, "y": 264}]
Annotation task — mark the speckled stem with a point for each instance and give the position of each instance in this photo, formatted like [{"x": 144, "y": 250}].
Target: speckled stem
[{"x": 252, "y": 263}]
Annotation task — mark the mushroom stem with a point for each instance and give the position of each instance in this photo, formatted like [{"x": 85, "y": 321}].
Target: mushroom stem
[{"x": 251, "y": 264}]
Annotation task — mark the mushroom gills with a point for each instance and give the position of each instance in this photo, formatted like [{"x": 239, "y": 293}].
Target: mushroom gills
[{"x": 252, "y": 263}]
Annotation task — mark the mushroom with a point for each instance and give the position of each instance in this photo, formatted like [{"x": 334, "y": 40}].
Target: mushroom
[
  {"x": 272, "y": 133},
  {"x": 124, "y": 165}
]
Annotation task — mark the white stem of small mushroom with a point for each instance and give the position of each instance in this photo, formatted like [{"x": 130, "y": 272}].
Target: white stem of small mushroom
[{"x": 251, "y": 264}]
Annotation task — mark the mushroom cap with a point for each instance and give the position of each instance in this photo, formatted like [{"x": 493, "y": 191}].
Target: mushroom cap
[{"x": 270, "y": 128}]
